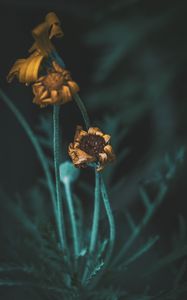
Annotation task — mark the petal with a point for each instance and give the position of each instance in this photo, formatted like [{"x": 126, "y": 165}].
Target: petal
[
  {"x": 95, "y": 130},
  {"x": 102, "y": 161},
  {"x": 38, "y": 90},
  {"x": 54, "y": 95},
  {"x": 79, "y": 134},
  {"x": 100, "y": 168},
  {"x": 57, "y": 67},
  {"x": 103, "y": 158},
  {"x": 74, "y": 88},
  {"x": 78, "y": 156},
  {"x": 44, "y": 95},
  {"x": 107, "y": 138},
  {"x": 66, "y": 95},
  {"x": 109, "y": 151}
]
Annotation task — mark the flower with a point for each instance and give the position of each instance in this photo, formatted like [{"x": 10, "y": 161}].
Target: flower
[
  {"x": 91, "y": 146},
  {"x": 56, "y": 87},
  {"x": 27, "y": 69}
]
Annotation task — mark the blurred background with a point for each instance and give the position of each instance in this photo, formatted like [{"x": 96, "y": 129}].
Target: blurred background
[{"x": 129, "y": 58}]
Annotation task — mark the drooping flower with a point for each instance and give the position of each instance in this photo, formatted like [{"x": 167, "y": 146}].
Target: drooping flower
[
  {"x": 27, "y": 69},
  {"x": 57, "y": 87},
  {"x": 92, "y": 146}
]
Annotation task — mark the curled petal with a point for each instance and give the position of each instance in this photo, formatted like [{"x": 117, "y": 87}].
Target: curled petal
[
  {"x": 44, "y": 32},
  {"x": 66, "y": 94},
  {"x": 57, "y": 67},
  {"x": 44, "y": 95},
  {"x": 95, "y": 130},
  {"x": 79, "y": 134},
  {"x": 48, "y": 101},
  {"x": 107, "y": 138},
  {"x": 109, "y": 151},
  {"x": 54, "y": 22},
  {"x": 54, "y": 96},
  {"x": 79, "y": 157},
  {"x": 38, "y": 89},
  {"x": 73, "y": 87},
  {"x": 26, "y": 70},
  {"x": 103, "y": 158}
]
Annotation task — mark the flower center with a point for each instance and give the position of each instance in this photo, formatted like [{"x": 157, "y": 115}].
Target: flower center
[
  {"x": 54, "y": 81},
  {"x": 92, "y": 144}
]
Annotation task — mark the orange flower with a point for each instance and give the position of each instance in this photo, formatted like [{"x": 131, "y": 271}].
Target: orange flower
[
  {"x": 57, "y": 87},
  {"x": 91, "y": 146},
  {"x": 27, "y": 69}
]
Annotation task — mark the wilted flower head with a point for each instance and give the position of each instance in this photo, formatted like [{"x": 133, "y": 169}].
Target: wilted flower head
[
  {"x": 91, "y": 146},
  {"x": 27, "y": 69},
  {"x": 57, "y": 87}
]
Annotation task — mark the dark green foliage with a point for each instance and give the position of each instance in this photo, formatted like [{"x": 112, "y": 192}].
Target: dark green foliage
[{"x": 129, "y": 58}]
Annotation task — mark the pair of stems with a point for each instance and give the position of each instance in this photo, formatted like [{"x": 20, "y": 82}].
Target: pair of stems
[{"x": 100, "y": 188}]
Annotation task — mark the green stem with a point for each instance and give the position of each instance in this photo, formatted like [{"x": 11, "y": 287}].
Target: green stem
[
  {"x": 95, "y": 224},
  {"x": 112, "y": 230},
  {"x": 83, "y": 110},
  {"x": 22, "y": 121},
  {"x": 60, "y": 214},
  {"x": 55, "y": 56},
  {"x": 68, "y": 192},
  {"x": 110, "y": 220}
]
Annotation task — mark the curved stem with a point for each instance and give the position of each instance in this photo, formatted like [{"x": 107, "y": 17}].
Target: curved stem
[
  {"x": 22, "y": 121},
  {"x": 112, "y": 230},
  {"x": 95, "y": 224},
  {"x": 60, "y": 214},
  {"x": 54, "y": 55},
  {"x": 68, "y": 192},
  {"x": 110, "y": 220},
  {"x": 83, "y": 110}
]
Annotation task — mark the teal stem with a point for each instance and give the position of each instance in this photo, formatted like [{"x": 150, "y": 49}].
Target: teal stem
[
  {"x": 67, "y": 186},
  {"x": 24, "y": 124},
  {"x": 83, "y": 110},
  {"x": 54, "y": 55},
  {"x": 95, "y": 223},
  {"x": 110, "y": 216},
  {"x": 60, "y": 214},
  {"x": 109, "y": 213}
]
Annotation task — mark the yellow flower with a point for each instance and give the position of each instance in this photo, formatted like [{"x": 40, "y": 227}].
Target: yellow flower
[
  {"x": 26, "y": 70},
  {"x": 56, "y": 87},
  {"x": 91, "y": 146}
]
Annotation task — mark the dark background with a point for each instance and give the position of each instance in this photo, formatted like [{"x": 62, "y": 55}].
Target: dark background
[{"x": 129, "y": 59}]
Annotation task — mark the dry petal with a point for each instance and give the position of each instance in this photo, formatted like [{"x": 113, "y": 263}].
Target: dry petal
[
  {"x": 107, "y": 138},
  {"x": 95, "y": 130},
  {"x": 73, "y": 87}
]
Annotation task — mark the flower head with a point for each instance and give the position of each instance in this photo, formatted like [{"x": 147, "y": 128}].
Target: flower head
[
  {"x": 57, "y": 87},
  {"x": 91, "y": 146},
  {"x": 27, "y": 69}
]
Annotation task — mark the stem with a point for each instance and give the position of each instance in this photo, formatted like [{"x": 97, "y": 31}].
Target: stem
[
  {"x": 68, "y": 192},
  {"x": 54, "y": 55},
  {"x": 60, "y": 215},
  {"x": 22, "y": 121},
  {"x": 112, "y": 230},
  {"x": 110, "y": 220},
  {"x": 95, "y": 224},
  {"x": 83, "y": 110}
]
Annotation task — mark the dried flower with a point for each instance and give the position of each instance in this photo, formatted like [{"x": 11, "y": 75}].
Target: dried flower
[
  {"x": 91, "y": 147},
  {"x": 26, "y": 70},
  {"x": 56, "y": 87}
]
